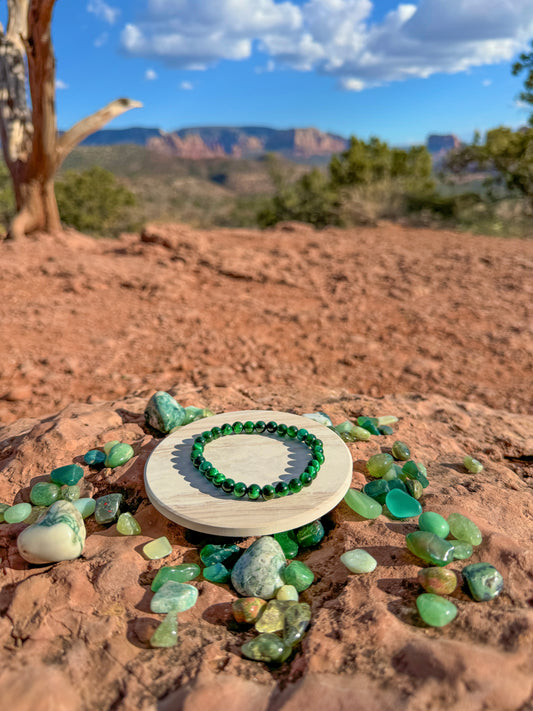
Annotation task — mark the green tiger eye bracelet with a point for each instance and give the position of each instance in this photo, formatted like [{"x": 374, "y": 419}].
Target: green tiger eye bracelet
[{"x": 254, "y": 491}]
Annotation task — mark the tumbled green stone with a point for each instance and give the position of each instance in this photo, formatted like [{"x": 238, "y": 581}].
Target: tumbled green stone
[
  {"x": 59, "y": 534},
  {"x": 400, "y": 451},
  {"x": 464, "y": 529},
  {"x": 127, "y": 525},
  {"x": 17, "y": 513},
  {"x": 216, "y": 573},
  {"x": 311, "y": 534},
  {"x": 163, "y": 413},
  {"x": 434, "y": 522},
  {"x": 298, "y": 574},
  {"x": 377, "y": 489},
  {"x": 158, "y": 548},
  {"x": 352, "y": 433},
  {"x": 362, "y": 504},
  {"x": 399, "y": 484},
  {"x": 107, "y": 508},
  {"x": 94, "y": 458},
  {"x": 44, "y": 493},
  {"x": 414, "y": 488},
  {"x": 282, "y": 489},
  {"x": 70, "y": 493},
  {"x": 178, "y": 573},
  {"x": 213, "y": 553},
  {"x": 257, "y": 573},
  {"x": 297, "y": 619},
  {"x": 461, "y": 549},
  {"x": 386, "y": 420},
  {"x": 369, "y": 423},
  {"x": 378, "y": 464},
  {"x": 472, "y": 465},
  {"x": 166, "y": 634},
  {"x": 192, "y": 414},
  {"x": 254, "y": 492},
  {"x": 429, "y": 547},
  {"x": 385, "y": 430},
  {"x": 288, "y": 543},
  {"x": 70, "y": 474},
  {"x": 108, "y": 446},
  {"x": 319, "y": 417},
  {"x": 239, "y": 490},
  {"x": 440, "y": 581},
  {"x": 435, "y": 610},
  {"x": 265, "y": 647},
  {"x": 119, "y": 454},
  {"x": 287, "y": 592},
  {"x": 174, "y": 597},
  {"x": 268, "y": 492},
  {"x": 392, "y": 473},
  {"x": 484, "y": 581},
  {"x": 412, "y": 471},
  {"x": 273, "y": 616},
  {"x": 359, "y": 561},
  {"x": 36, "y": 513},
  {"x": 247, "y": 609},
  {"x": 85, "y": 506},
  {"x": 3, "y": 507}
]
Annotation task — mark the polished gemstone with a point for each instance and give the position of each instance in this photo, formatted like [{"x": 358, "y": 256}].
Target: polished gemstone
[
  {"x": 287, "y": 592},
  {"x": 268, "y": 492},
  {"x": 433, "y": 522},
  {"x": 393, "y": 473},
  {"x": 107, "y": 508},
  {"x": 174, "y": 597},
  {"x": 292, "y": 431},
  {"x": 265, "y": 647},
  {"x": 58, "y": 535},
  {"x": 414, "y": 488},
  {"x": 411, "y": 470},
  {"x": 217, "y": 431},
  {"x": 386, "y": 420},
  {"x": 297, "y": 619},
  {"x": 158, "y": 548},
  {"x": 166, "y": 634},
  {"x": 3, "y": 507},
  {"x": 178, "y": 573},
  {"x": 248, "y": 427},
  {"x": 484, "y": 581},
  {"x": 400, "y": 451},
  {"x": 257, "y": 573},
  {"x": 163, "y": 413},
  {"x": 377, "y": 489},
  {"x": 298, "y": 574},
  {"x": 17, "y": 513},
  {"x": 385, "y": 430},
  {"x": 378, "y": 464},
  {"x": 70, "y": 493},
  {"x": 271, "y": 426},
  {"x": 352, "y": 433},
  {"x": 254, "y": 492},
  {"x": 94, "y": 458},
  {"x": 320, "y": 417},
  {"x": 85, "y": 506},
  {"x": 218, "y": 479},
  {"x": 239, "y": 490},
  {"x": 44, "y": 493},
  {"x": 430, "y": 547},
  {"x": 216, "y": 573},
  {"x": 472, "y": 465},
  {"x": 192, "y": 414},
  {"x": 288, "y": 543},
  {"x": 310, "y": 535},
  {"x": 282, "y": 430},
  {"x": 224, "y": 553},
  {"x": 108, "y": 446},
  {"x": 435, "y": 610},
  {"x": 273, "y": 617},
  {"x": 461, "y": 549},
  {"x": 119, "y": 454},
  {"x": 359, "y": 561},
  {"x": 237, "y": 427},
  {"x": 369, "y": 423},
  {"x": 362, "y": 504},
  {"x": 69, "y": 474},
  {"x": 464, "y": 529},
  {"x": 440, "y": 581},
  {"x": 260, "y": 426},
  {"x": 306, "y": 478},
  {"x": 127, "y": 525},
  {"x": 400, "y": 485},
  {"x": 295, "y": 485},
  {"x": 282, "y": 489},
  {"x": 228, "y": 486},
  {"x": 226, "y": 430}
]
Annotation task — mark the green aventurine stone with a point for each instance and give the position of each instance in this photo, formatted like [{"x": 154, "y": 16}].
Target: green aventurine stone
[
  {"x": 298, "y": 574},
  {"x": 120, "y": 454},
  {"x": 288, "y": 543},
  {"x": 107, "y": 508},
  {"x": 464, "y": 529},
  {"x": 17, "y": 513},
  {"x": 400, "y": 451},
  {"x": 310, "y": 534},
  {"x": 399, "y": 484},
  {"x": 158, "y": 548},
  {"x": 377, "y": 489},
  {"x": 461, "y": 549},
  {"x": 212, "y": 553},
  {"x": 217, "y": 573},
  {"x": 94, "y": 458},
  {"x": 435, "y": 610},
  {"x": 163, "y": 413},
  {"x": 484, "y": 581},
  {"x": 70, "y": 493},
  {"x": 297, "y": 619},
  {"x": 273, "y": 617},
  {"x": 178, "y": 573},
  {"x": 429, "y": 547},
  {"x": 108, "y": 446},
  {"x": 358, "y": 561},
  {"x": 265, "y": 648},
  {"x": 127, "y": 525},
  {"x": 378, "y": 464},
  {"x": 433, "y": 522},
  {"x": 85, "y": 506},
  {"x": 44, "y": 493},
  {"x": 362, "y": 504},
  {"x": 472, "y": 465},
  {"x": 70, "y": 474},
  {"x": 3, "y": 507},
  {"x": 174, "y": 597},
  {"x": 401, "y": 505},
  {"x": 439, "y": 581},
  {"x": 166, "y": 635}
]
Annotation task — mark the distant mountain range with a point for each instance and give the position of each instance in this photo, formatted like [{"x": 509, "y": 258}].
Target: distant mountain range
[{"x": 240, "y": 141}]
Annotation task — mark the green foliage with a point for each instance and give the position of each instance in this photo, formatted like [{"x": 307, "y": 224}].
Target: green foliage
[
  {"x": 7, "y": 200},
  {"x": 94, "y": 201},
  {"x": 525, "y": 64}
]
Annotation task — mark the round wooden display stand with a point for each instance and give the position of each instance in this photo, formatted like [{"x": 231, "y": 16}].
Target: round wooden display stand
[{"x": 182, "y": 494}]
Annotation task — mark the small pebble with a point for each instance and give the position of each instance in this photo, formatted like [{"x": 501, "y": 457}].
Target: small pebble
[
  {"x": 440, "y": 581},
  {"x": 386, "y": 420},
  {"x": 217, "y": 573},
  {"x": 174, "y": 597},
  {"x": 44, "y": 493},
  {"x": 108, "y": 446},
  {"x": 298, "y": 574},
  {"x": 213, "y": 553},
  {"x": 461, "y": 549},
  {"x": 179, "y": 573},
  {"x": 359, "y": 561},
  {"x": 288, "y": 543},
  {"x": 472, "y": 465},
  {"x": 429, "y": 547},
  {"x": 70, "y": 474},
  {"x": 266, "y": 647},
  {"x": 166, "y": 634},
  {"x": 70, "y": 493},
  {"x": 378, "y": 464},
  {"x": 362, "y": 504},
  {"x": 163, "y": 413},
  {"x": 402, "y": 505},
  {"x": 287, "y": 592},
  {"x": 273, "y": 616},
  {"x": 400, "y": 451},
  {"x": 247, "y": 609},
  {"x": 17, "y": 513},
  {"x": 297, "y": 619},
  {"x": 433, "y": 522},
  {"x": 414, "y": 488},
  {"x": 107, "y": 508},
  {"x": 119, "y": 454},
  {"x": 435, "y": 610},
  {"x": 484, "y": 581},
  {"x": 3, "y": 507},
  {"x": 85, "y": 506},
  {"x": 158, "y": 548},
  {"x": 127, "y": 525},
  {"x": 310, "y": 535},
  {"x": 94, "y": 458},
  {"x": 464, "y": 529}
]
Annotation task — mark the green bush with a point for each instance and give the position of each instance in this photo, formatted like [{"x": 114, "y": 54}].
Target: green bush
[{"x": 7, "y": 199}]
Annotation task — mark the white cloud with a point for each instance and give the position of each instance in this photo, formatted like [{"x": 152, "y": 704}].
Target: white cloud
[
  {"x": 486, "y": 82},
  {"x": 334, "y": 37},
  {"x": 150, "y": 75},
  {"x": 103, "y": 11},
  {"x": 186, "y": 86},
  {"x": 101, "y": 39},
  {"x": 61, "y": 84}
]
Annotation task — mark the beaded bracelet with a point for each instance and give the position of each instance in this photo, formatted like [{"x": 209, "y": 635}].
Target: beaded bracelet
[{"x": 254, "y": 491}]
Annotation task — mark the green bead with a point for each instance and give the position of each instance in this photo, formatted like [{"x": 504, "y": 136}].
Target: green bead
[
  {"x": 484, "y": 581},
  {"x": 208, "y": 437},
  {"x": 217, "y": 432},
  {"x": 254, "y": 492},
  {"x": 464, "y": 529},
  {"x": 282, "y": 489},
  {"x": 228, "y": 486},
  {"x": 127, "y": 525},
  {"x": 85, "y": 506},
  {"x": 292, "y": 431},
  {"x": 268, "y": 492},
  {"x": 199, "y": 440},
  {"x": 439, "y": 581},
  {"x": 174, "y": 597},
  {"x": 378, "y": 464},
  {"x": 377, "y": 489},
  {"x": 239, "y": 490},
  {"x": 17, "y": 513},
  {"x": 401, "y": 505},
  {"x": 435, "y": 610},
  {"x": 237, "y": 427},
  {"x": 461, "y": 549},
  {"x": 163, "y": 413},
  {"x": 288, "y": 543},
  {"x": 306, "y": 479},
  {"x": 166, "y": 634},
  {"x": 295, "y": 485},
  {"x": 213, "y": 553},
  {"x": 120, "y": 454},
  {"x": 260, "y": 426},
  {"x": 69, "y": 474},
  {"x": 265, "y": 647},
  {"x": 218, "y": 479},
  {"x": 158, "y": 548},
  {"x": 435, "y": 523},
  {"x": 362, "y": 504},
  {"x": 227, "y": 430},
  {"x": 310, "y": 439},
  {"x": 472, "y": 465},
  {"x": 107, "y": 508},
  {"x": 359, "y": 561},
  {"x": 311, "y": 534},
  {"x": 271, "y": 427},
  {"x": 429, "y": 547},
  {"x": 414, "y": 488},
  {"x": 301, "y": 434},
  {"x": 44, "y": 493},
  {"x": 298, "y": 574},
  {"x": 319, "y": 456},
  {"x": 94, "y": 458},
  {"x": 70, "y": 493},
  {"x": 211, "y": 473},
  {"x": 179, "y": 573},
  {"x": 216, "y": 573},
  {"x": 400, "y": 450},
  {"x": 248, "y": 427},
  {"x": 282, "y": 430}
]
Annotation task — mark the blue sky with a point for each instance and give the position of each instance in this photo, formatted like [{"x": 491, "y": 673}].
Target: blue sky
[{"x": 363, "y": 67}]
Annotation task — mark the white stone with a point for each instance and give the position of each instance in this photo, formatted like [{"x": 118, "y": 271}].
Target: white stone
[
  {"x": 58, "y": 535},
  {"x": 358, "y": 561}
]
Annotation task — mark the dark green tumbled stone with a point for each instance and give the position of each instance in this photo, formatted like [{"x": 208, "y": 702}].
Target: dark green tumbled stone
[
  {"x": 306, "y": 479},
  {"x": 298, "y": 574},
  {"x": 271, "y": 426},
  {"x": 44, "y": 493},
  {"x": 402, "y": 505},
  {"x": 267, "y": 647},
  {"x": 248, "y": 427},
  {"x": 282, "y": 489},
  {"x": 292, "y": 431},
  {"x": 238, "y": 427},
  {"x": 429, "y": 547},
  {"x": 369, "y": 424},
  {"x": 385, "y": 430},
  {"x": 213, "y": 553},
  {"x": 228, "y": 486},
  {"x": 411, "y": 470},
  {"x": 260, "y": 426},
  {"x": 301, "y": 434},
  {"x": 400, "y": 451},
  {"x": 288, "y": 543},
  {"x": 484, "y": 581},
  {"x": 180, "y": 574},
  {"x": 70, "y": 474},
  {"x": 218, "y": 479},
  {"x": 94, "y": 458},
  {"x": 216, "y": 573},
  {"x": 398, "y": 484},
  {"x": 295, "y": 485},
  {"x": 377, "y": 489},
  {"x": 282, "y": 430},
  {"x": 107, "y": 508},
  {"x": 268, "y": 492},
  {"x": 239, "y": 490},
  {"x": 254, "y": 491},
  {"x": 311, "y": 534}
]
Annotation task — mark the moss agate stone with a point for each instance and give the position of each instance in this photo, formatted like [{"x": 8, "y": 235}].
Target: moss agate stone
[
  {"x": 212, "y": 553},
  {"x": 70, "y": 474},
  {"x": 298, "y": 574},
  {"x": 247, "y": 609},
  {"x": 44, "y": 493},
  {"x": 257, "y": 573},
  {"x": 435, "y": 610},
  {"x": 217, "y": 573},
  {"x": 273, "y": 617},
  {"x": 174, "y": 597},
  {"x": 297, "y": 619},
  {"x": 359, "y": 561},
  {"x": 163, "y": 413},
  {"x": 70, "y": 493},
  {"x": 401, "y": 505},
  {"x": 461, "y": 549},
  {"x": 94, "y": 458},
  {"x": 310, "y": 535},
  {"x": 429, "y": 547},
  {"x": 119, "y": 454},
  {"x": 127, "y": 525},
  {"x": 85, "y": 506},
  {"x": 378, "y": 464},
  {"x": 17, "y": 513},
  {"x": 107, "y": 508},
  {"x": 265, "y": 648},
  {"x": 439, "y": 581},
  {"x": 178, "y": 573},
  {"x": 433, "y": 522},
  {"x": 288, "y": 543},
  {"x": 362, "y": 504},
  {"x": 483, "y": 580},
  {"x": 464, "y": 529},
  {"x": 158, "y": 548},
  {"x": 472, "y": 465},
  {"x": 287, "y": 592},
  {"x": 166, "y": 635},
  {"x": 58, "y": 535}
]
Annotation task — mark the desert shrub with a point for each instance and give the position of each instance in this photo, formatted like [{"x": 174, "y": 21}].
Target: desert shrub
[{"x": 7, "y": 200}]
